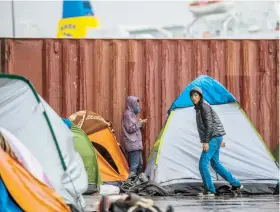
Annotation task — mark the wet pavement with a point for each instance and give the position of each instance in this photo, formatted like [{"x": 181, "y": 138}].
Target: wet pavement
[{"x": 268, "y": 203}]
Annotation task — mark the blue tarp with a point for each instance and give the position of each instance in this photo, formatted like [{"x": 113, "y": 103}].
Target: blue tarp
[
  {"x": 213, "y": 92},
  {"x": 7, "y": 203}
]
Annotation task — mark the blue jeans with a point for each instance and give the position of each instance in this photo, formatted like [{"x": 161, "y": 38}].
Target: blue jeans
[
  {"x": 135, "y": 162},
  {"x": 213, "y": 156}
]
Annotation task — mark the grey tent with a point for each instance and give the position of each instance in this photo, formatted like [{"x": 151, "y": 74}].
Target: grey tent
[
  {"x": 175, "y": 156},
  {"x": 27, "y": 116}
]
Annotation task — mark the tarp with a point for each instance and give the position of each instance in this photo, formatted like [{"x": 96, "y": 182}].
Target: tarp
[
  {"x": 28, "y": 117},
  {"x": 84, "y": 147},
  {"x": 28, "y": 192}
]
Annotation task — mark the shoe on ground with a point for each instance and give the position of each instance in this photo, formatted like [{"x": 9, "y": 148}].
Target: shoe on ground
[
  {"x": 236, "y": 188},
  {"x": 206, "y": 194}
]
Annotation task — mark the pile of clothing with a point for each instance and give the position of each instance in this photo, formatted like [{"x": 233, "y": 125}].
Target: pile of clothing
[{"x": 132, "y": 203}]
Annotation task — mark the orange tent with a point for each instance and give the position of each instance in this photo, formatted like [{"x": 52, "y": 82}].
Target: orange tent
[
  {"x": 28, "y": 192},
  {"x": 111, "y": 170},
  {"x": 111, "y": 161}
]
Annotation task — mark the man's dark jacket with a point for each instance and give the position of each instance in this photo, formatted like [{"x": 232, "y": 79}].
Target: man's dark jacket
[{"x": 208, "y": 123}]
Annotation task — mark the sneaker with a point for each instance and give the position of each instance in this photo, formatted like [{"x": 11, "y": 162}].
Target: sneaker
[
  {"x": 206, "y": 194},
  {"x": 236, "y": 188}
]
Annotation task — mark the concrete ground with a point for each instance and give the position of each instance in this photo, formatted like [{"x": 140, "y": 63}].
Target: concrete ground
[{"x": 267, "y": 203}]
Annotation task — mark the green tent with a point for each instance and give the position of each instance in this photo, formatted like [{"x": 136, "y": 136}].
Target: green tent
[{"x": 84, "y": 147}]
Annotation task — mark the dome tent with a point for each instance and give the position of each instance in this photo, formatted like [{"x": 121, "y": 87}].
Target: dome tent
[
  {"x": 111, "y": 160},
  {"x": 175, "y": 156},
  {"x": 84, "y": 147},
  {"x": 42, "y": 131}
]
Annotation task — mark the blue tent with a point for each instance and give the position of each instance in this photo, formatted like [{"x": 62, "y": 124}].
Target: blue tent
[
  {"x": 7, "y": 203},
  {"x": 213, "y": 92},
  {"x": 175, "y": 155}
]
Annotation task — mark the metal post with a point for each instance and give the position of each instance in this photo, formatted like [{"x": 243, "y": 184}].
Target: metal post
[{"x": 13, "y": 19}]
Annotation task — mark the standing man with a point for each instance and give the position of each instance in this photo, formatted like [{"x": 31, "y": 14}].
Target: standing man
[
  {"x": 210, "y": 131},
  {"x": 131, "y": 134}
]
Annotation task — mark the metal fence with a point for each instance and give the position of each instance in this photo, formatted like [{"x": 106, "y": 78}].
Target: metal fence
[{"x": 97, "y": 75}]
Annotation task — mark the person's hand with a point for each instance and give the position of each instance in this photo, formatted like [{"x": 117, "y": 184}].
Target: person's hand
[
  {"x": 223, "y": 144},
  {"x": 205, "y": 147},
  {"x": 143, "y": 121}
]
